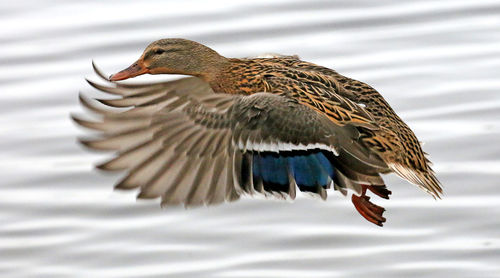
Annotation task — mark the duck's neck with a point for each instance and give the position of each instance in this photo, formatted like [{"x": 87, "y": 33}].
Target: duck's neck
[
  {"x": 237, "y": 76},
  {"x": 209, "y": 70}
]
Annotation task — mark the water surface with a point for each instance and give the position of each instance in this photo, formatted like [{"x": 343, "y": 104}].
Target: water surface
[{"x": 436, "y": 62}]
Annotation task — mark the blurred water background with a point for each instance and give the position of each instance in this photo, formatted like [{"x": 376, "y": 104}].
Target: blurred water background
[{"x": 436, "y": 62}]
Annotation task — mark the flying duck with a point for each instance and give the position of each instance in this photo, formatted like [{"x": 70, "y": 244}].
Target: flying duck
[{"x": 249, "y": 126}]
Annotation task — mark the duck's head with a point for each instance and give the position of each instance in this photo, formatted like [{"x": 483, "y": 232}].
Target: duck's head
[{"x": 174, "y": 56}]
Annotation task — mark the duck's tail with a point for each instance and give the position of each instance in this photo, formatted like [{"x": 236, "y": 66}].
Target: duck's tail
[{"x": 424, "y": 179}]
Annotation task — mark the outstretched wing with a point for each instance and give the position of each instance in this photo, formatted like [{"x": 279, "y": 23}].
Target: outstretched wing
[{"x": 179, "y": 141}]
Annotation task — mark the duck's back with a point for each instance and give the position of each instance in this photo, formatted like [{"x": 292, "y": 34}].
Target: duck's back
[{"x": 395, "y": 142}]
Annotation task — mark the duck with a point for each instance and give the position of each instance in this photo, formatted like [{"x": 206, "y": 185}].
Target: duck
[{"x": 269, "y": 126}]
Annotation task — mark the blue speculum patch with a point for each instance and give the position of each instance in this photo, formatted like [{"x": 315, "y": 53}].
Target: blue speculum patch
[{"x": 310, "y": 169}]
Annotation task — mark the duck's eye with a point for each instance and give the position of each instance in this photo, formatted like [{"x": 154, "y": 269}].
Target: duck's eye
[{"x": 159, "y": 51}]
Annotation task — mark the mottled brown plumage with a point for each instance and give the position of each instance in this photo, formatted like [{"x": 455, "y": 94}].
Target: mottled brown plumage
[
  {"x": 268, "y": 109},
  {"x": 340, "y": 98}
]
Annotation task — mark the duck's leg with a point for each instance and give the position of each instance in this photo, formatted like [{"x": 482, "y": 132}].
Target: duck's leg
[
  {"x": 367, "y": 209},
  {"x": 380, "y": 190}
]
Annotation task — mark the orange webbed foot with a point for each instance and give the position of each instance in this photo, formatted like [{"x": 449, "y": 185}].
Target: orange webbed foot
[{"x": 367, "y": 209}]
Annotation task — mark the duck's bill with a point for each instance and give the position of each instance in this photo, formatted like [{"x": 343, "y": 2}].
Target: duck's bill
[{"x": 134, "y": 70}]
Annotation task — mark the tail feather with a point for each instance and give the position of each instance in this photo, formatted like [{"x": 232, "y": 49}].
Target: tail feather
[{"x": 424, "y": 179}]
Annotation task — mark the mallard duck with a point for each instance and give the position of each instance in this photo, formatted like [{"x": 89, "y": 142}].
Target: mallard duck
[{"x": 251, "y": 126}]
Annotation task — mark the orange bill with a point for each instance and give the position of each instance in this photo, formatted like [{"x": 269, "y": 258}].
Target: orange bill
[{"x": 134, "y": 70}]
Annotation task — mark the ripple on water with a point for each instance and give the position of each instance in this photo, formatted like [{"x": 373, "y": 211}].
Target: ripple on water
[{"x": 436, "y": 63}]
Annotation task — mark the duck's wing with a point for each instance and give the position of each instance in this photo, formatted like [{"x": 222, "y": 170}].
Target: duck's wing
[
  {"x": 158, "y": 144},
  {"x": 179, "y": 141}
]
